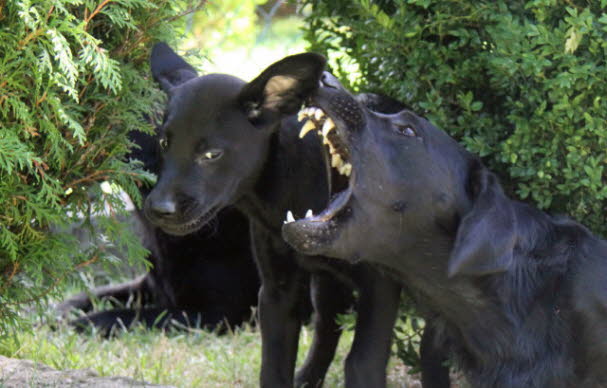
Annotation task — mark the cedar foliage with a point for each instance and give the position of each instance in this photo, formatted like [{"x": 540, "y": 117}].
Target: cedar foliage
[{"x": 73, "y": 83}]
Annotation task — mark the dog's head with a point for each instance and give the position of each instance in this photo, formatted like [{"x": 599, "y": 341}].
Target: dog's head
[
  {"x": 215, "y": 135},
  {"x": 407, "y": 194}
]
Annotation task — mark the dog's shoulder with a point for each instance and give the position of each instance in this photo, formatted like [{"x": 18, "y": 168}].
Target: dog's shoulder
[{"x": 583, "y": 257}]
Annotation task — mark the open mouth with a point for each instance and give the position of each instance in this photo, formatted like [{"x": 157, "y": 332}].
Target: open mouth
[
  {"x": 312, "y": 233},
  {"x": 189, "y": 227},
  {"x": 319, "y": 122}
]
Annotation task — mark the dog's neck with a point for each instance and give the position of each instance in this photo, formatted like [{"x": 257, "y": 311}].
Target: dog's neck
[
  {"x": 483, "y": 316},
  {"x": 292, "y": 178}
]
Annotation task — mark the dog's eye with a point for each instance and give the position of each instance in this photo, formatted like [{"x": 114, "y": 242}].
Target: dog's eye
[
  {"x": 164, "y": 143},
  {"x": 210, "y": 155},
  {"x": 406, "y": 130}
]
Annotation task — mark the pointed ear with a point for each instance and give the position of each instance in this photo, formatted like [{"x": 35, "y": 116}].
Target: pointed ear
[
  {"x": 487, "y": 234},
  {"x": 282, "y": 87},
  {"x": 168, "y": 68}
]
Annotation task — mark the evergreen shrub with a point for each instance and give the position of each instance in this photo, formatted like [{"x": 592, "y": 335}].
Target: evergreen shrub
[{"x": 73, "y": 82}]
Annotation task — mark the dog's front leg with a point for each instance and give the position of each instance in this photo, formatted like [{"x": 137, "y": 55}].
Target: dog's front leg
[
  {"x": 377, "y": 308},
  {"x": 433, "y": 358},
  {"x": 282, "y": 302},
  {"x": 329, "y": 298}
]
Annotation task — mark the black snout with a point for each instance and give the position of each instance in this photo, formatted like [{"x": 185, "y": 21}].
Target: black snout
[
  {"x": 328, "y": 80},
  {"x": 159, "y": 208}
]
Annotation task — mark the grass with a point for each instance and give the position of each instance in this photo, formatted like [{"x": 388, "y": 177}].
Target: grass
[
  {"x": 184, "y": 359},
  {"x": 192, "y": 358}
]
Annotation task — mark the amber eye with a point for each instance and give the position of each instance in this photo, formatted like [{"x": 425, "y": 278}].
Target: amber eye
[
  {"x": 210, "y": 155},
  {"x": 164, "y": 143},
  {"x": 406, "y": 130}
]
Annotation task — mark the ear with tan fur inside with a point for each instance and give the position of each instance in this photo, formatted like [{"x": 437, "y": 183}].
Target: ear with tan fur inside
[
  {"x": 275, "y": 88},
  {"x": 281, "y": 88}
]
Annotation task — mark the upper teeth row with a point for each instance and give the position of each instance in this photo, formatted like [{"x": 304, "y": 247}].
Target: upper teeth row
[
  {"x": 291, "y": 218},
  {"x": 314, "y": 115},
  {"x": 310, "y": 112}
]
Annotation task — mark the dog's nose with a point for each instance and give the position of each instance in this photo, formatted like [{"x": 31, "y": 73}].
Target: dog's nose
[
  {"x": 328, "y": 80},
  {"x": 160, "y": 208}
]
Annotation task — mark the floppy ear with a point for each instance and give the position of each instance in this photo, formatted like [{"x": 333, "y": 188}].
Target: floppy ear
[
  {"x": 486, "y": 236},
  {"x": 168, "y": 68},
  {"x": 282, "y": 87}
]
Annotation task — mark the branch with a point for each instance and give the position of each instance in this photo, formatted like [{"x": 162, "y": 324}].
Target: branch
[
  {"x": 95, "y": 12},
  {"x": 96, "y": 175},
  {"x": 56, "y": 281}
]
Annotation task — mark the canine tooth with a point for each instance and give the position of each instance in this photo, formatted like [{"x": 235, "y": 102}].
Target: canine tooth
[
  {"x": 307, "y": 127},
  {"x": 336, "y": 161},
  {"x": 301, "y": 115},
  {"x": 332, "y": 149},
  {"x": 347, "y": 169},
  {"x": 327, "y": 126},
  {"x": 318, "y": 114},
  {"x": 290, "y": 217},
  {"x": 309, "y": 213}
]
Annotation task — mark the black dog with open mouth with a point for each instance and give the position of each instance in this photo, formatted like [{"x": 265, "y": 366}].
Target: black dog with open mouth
[
  {"x": 226, "y": 142},
  {"x": 519, "y": 297}
]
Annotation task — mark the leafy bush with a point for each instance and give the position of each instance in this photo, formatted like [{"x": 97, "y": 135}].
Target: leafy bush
[
  {"x": 520, "y": 83},
  {"x": 73, "y": 83}
]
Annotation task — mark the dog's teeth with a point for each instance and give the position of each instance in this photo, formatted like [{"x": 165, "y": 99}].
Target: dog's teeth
[
  {"x": 301, "y": 115},
  {"x": 318, "y": 114},
  {"x": 345, "y": 169},
  {"x": 327, "y": 126},
  {"x": 307, "y": 127},
  {"x": 290, "y": 217},
  {"x": 332, "y": 149},
  {"x": 336, "y": 161},
  {"x": 309, "y": 213}
]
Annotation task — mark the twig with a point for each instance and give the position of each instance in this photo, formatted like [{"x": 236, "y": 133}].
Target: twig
[
  {"x": 95, "y": 12},
  {"x": 56, "y": 281},
  {"x": 98, "y": 174}
]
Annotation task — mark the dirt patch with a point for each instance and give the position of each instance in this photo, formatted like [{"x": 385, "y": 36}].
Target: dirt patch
[{"x": 16, "y": 373}]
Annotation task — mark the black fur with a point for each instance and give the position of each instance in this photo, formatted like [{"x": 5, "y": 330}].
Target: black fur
[
  {"x": 230, "y": 142},
  {"x": 519, "y": 297},
  {"x": 206, "y": 279}
]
